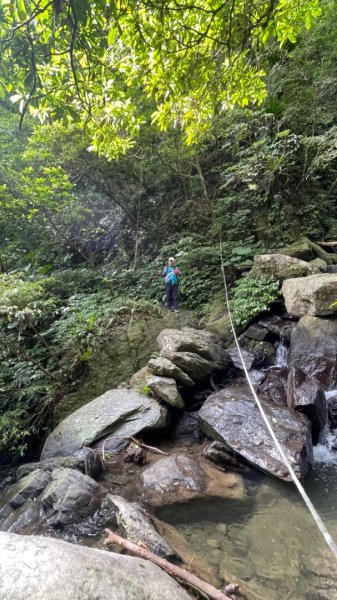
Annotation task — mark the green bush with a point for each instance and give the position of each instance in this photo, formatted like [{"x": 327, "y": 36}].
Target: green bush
[{"x": 252, "y": 295}]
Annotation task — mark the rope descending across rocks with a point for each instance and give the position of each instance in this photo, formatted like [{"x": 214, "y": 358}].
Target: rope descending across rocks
[{"x": 318, "y": 520}]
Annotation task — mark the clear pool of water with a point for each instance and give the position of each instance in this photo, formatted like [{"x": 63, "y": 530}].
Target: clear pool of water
[{"x": 269, "y": 544}]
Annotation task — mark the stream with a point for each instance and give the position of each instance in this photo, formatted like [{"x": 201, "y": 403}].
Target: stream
[
  {"x": 271, "y": 542},
  {"x": 268, "y": 542}
]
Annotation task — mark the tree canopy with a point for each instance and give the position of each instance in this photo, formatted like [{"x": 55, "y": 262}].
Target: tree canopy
[{"x": 115, "y": 66}]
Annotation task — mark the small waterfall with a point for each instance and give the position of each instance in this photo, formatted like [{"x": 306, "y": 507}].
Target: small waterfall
[
  {"x": 326, "y": 450},
  {"x": 281, "y": 357}
]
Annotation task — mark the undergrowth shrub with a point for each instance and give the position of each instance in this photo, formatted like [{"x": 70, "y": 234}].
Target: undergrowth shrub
[{"x": 251, "y": 296}]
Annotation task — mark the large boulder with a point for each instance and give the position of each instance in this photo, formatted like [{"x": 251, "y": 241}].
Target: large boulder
[
  {"x": 312, "y": 368},
  {"x": 38, "y": 568},
  {"x": 138, "y": 527},
  {"x": 280, "y": 267},
  {"x": 61, "y": 497},
  {"x": 204, "y": 343},
  {"x": 119, "y": 412},
  {"x": 331, "y": 398},
  {"x": 179, "y": 478},
  {"x": 70, "y": 497},
  {"x": 311, "y": 295},
  {"x": 232, "y": 417}
]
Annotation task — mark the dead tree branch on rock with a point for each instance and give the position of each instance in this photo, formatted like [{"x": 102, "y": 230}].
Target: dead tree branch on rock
[
  {"x": 177, "y": 572},
  {"x": 130, "y": 437}
]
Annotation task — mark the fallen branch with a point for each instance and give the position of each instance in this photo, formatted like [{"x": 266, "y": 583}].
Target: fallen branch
[
  {"x": 328, "y": 244},
  {"x": 130, "y": 437},
  {"x": 171, "y": 569}
]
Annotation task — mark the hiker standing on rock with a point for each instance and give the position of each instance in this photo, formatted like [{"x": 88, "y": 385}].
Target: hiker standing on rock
[{"x": 171, "y": 274}]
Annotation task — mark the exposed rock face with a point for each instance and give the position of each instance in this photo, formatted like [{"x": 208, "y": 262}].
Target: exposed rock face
[
  {"x": 256, "y": 332},
  {"x": 137, "y": 526},
  {"x": 321, "y": 264},
  {"x": 179, "y": 478},
  {"x": 119, "y": 412},
  {"x": 281, "y": 267},
  {"x": 301, "y": 249},
  {"x": 165, "y": 368},
  {"x": 167, "y": 390},
  {"x": 69, "y": 462},
  {"x": 312, "y": 368},
  {"x": 232, "y": 417},
  {"x": 311, "y": 295},
  {"x": 138, "y": 379},
  {"x": 204, "y": 343},
  {"x": 115, "y": 361},
  {"x": 264, "y": 352},
  {"x": 55, "y": 570}
]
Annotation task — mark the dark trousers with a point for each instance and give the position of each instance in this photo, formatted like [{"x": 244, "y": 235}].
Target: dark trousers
[{"x": 171, "y": 296}]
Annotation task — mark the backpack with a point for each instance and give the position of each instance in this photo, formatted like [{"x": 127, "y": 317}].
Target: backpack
[{"x": 170, "y": 277}]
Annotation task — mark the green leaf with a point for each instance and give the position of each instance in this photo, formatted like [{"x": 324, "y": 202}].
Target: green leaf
[{"x": 22, "y": 10}]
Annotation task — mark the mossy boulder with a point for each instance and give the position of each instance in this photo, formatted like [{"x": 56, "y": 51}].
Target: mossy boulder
[
  {"x": 121, "y": 356},
  {"x": 280, "y": 267},
  {"x": 307, "y": 250}
]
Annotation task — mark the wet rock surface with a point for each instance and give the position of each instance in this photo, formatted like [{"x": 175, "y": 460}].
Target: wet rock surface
[
  {"x": 232, "y": 417},
  {"x": 274, "y": 385},
  {"x": 121, "y": 412},
  {"x": 249, "y": 358},
  {"x": 70, "y": 496},
  {"x": 312, "y": 367},
  {"x": 85, "y": 573},
  {"x": 59, "y": 497},
  {"x": 179, "y": 478},
  {"x": 137, "y": 527}
]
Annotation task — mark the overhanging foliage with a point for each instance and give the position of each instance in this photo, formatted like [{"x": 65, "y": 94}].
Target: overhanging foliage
[{"x": 115, "y": 66}]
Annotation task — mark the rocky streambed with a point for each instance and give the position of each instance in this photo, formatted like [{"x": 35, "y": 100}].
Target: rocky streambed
[{"x": 217, "y": 497}]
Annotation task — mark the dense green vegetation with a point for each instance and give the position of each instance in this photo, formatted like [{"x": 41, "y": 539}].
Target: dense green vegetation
[{"x": 83, "y": 234}]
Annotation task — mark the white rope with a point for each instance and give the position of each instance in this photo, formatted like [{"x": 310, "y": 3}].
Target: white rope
[{"x": 326, "y": 535}]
